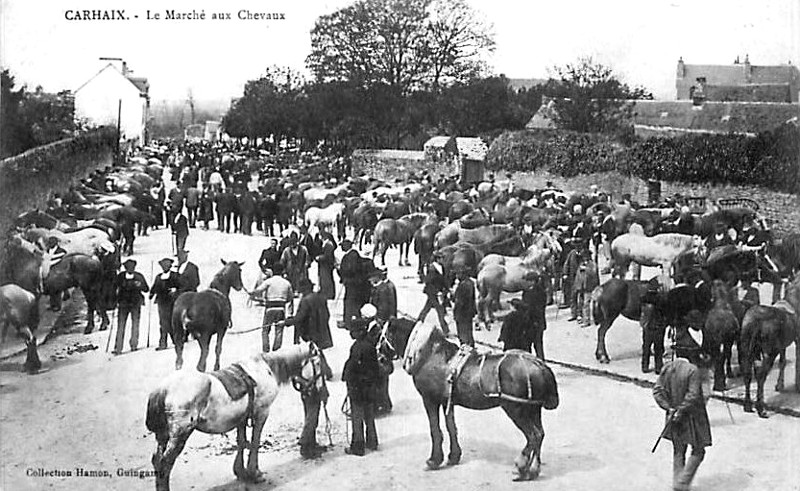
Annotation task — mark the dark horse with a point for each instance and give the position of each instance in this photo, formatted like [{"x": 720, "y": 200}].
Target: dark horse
[
  {"x": 720, "y": 332},
  {"x": 20, "y": 308},
  {"x": 203, "y": 314},
  {"x": 617, "y": 296},
  {"x": 766, "y": 333},
  {"x": 517, "y": 381}
]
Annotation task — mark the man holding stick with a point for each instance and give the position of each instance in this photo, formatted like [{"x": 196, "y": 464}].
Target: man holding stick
[{"x": 681, "y": 390}]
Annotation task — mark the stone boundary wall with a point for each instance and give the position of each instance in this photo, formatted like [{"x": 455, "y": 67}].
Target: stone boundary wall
[
  {"x": 781, "y": 209},
  {"x": 28, "y": 179},
  {"x": 390, "y": 166}
]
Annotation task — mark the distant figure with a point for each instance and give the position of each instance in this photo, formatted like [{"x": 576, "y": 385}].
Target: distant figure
[
  {"x": 464, "y": 308},
  {"x": 180, "y": 229},
  {"x": 188, "y": 273},
  {"x": 278, "y": 300},
  {"x": 360, "y": 373},
  {"x": 165, "y": 290}
]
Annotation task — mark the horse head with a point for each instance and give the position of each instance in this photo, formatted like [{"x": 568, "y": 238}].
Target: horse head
[
  {"x": 720, "y": 294},
  {"x": 230, "y": 276},
  {"x": 311, "y": 374}
]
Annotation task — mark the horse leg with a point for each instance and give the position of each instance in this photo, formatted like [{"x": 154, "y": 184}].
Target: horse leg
[
  {"x": 241, "y": 443},
  {"x": 727, "y": 354},
  {"x": 746, "y": 367},
  {"x": 408, "y": 246},
  {"x": 218, "y": 350},
  {"x": 529, "y": 420},
  {"x": 173, "y": 448},
  {"x": 600, "y": 353},
  {"x": 205, "y": 342},
  {"x": 400, "y": 254},
  {"x": 761, "y": 378},
  {"x": 719, "y": 367},
  {"x": 781, "y": 368},
  {"x": 454, "y": 457},
  {"x": 32, "y": 362},
  {"x": 437, "y": 456},
  {"x": 253, "y": 473},
  {"x": 178, "y": 340}
]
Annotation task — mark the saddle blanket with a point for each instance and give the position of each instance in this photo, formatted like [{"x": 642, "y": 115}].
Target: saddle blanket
[{"x": 236, "y": 381}]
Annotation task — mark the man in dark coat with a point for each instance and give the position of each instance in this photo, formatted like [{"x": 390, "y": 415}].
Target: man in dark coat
[
  {"x": 165, "y": 290},
  {"x": 188, "y": 273},
  {"x": 568, "y": 271},
  {"x": 326, "y": 262},
  {"x": 226, "y": 202},
  {"x": 464, "y": 308},
  {"x": 268, "y": 210},
  {"x": 360, "y": 373},
  {"x": 384, "y": 295},
  {"x": 247, "y": 208},
  {"x": 353, "y": 275},
  {"x": 270, "y": 256},
  {"x": 534, "y": 299},
  {"x": 206, "y": 210},
  {"x": 653, "y": 326},
  {"x": 681, "y": 390},
  {"x": 295, "y": 262},
  {"x": 180, "y": 229},
  {"x": 130, "y": 285},
  {"x": 516, "y": 331},
  {"x": 311, "y": 321},
  {"x": 435, "y": 285},
  {"x": 192, "y": 204}
]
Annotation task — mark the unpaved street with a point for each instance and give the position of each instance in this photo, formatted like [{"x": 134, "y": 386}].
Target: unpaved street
[{"x": 86, "y": 411}]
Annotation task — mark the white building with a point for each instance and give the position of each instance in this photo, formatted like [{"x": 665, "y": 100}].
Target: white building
[{"x": 113, "y": 93}]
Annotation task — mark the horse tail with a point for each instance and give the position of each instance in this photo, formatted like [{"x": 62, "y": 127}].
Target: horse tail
[
  {"x": 156, "y": 420},
  {"x": 551, "y": 399},
  {"x": 594, "y": 305}
]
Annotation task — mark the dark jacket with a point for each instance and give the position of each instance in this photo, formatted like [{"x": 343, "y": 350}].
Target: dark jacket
[
  {"x": 517, "y": 331},
  {"x": 384, "y": 298},
  {"x": 353, "y": 273},
  {"x": 570, "y": 268},
  {"x": 247, "y": 204},
  {"x": 165, "y": 290},
  {"x": 311, "y": 320},
  {"x": 190, "y": 278},
  {"x": 129, "y": 290},
  {"x": 180, "y": 227},
  {"x": 464, "y": 300},
  {"x": 268, "y": 258},
  {"x": 535, "y": 299},
  {"x": 679, "y": 387},
  {"x": 361, "y": 371},
  {"x": 193, "y": 197},
  {"x": 226, "y": 202},
  {"x": 435, "y": 282}
]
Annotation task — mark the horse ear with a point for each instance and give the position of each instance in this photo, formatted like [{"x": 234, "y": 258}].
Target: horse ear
[
  {"x": 240, "y": 263},
  {"x": 223, "y": 262}
]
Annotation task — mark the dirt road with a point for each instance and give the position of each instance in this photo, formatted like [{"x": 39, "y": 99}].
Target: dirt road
[{"x": 86, "y": 411}]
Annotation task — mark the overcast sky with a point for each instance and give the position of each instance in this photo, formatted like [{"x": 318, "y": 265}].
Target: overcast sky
[{"x": 641, "y": 40}]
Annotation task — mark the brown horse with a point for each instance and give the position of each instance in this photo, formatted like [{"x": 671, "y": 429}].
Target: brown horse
[
  {"x": 20, "y": 308},
  {"x": 400, "y": 232},
  {"x": 720, "y": 332},
  {"x": 517, "y": 381},
  {"x": 203, "y": 314},
  {"x": 187, "y": 401},
  {"x": 766, "y": 333}
]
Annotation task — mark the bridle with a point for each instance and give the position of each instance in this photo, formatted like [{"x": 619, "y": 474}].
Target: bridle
[{"x": 307, "y": 385}]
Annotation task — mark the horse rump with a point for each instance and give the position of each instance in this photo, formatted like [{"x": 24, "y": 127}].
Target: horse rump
[{"x": 524, "y": 376}]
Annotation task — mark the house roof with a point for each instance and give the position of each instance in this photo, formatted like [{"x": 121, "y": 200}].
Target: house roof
[
  {"x": 471, "y": 148},
  {"x": 711, "y": 116},
  {"x": 717, "y": 117},
  {"x": 389, "y": 154},
  {"x": 140, "y": 83},
  {"x": 437, "y": 142},
  {"x": 735, "y": 74}
]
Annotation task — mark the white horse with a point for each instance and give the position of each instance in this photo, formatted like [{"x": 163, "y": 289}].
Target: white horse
[
  {"x": 329, "y": 216},
  {"x": 188, "y": 400},
  {"x": 660, "y": 250}
]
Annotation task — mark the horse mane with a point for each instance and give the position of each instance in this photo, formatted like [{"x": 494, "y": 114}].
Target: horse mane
[
  {"x": 284, "y": 363},
  {"x": 788, "y": 251}
]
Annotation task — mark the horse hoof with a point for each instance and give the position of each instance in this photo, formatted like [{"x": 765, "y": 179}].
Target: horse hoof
[
  {"x": 748, "y": 408},
  {"x": 432, "y": 464},
  {"x": 454, "y": 459},
  {"x": 779, "y": 388},
  {"x": 88, "y": 330},
  {"x": 763, "y": 414}
]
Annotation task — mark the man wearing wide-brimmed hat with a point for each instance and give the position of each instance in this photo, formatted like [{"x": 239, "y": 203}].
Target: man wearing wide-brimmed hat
[
  {"x": 130, "y": 286},
  {"x": 682, "y": 390},
  {"x": 165, "y": 290}
]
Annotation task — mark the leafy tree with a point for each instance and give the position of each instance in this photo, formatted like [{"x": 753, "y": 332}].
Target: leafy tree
[
  {"x": 404, "y": 44},
  {"x": 15, "y": 136},
  {"x": 590, "y": 98}
]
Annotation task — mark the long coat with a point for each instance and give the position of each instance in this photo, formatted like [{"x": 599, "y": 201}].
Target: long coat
[
  {"x": 295, "y": 264},
  {"x": 680, "y": 387},
  {"x": 361, "y": 371},
  {"x": 311, "y": 320},
  {"x": 189, "y": 278},
  {"x": 326, "y": 262},
  {"x": 353, "y": 273},
  {"x": 517, "y": 331},
  {"x": 464, "y": 300}
]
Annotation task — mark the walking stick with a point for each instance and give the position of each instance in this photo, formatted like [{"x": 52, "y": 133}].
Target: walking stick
[
  {"x": 110, "y": 331},
  {"x": 150, "y": 309}
]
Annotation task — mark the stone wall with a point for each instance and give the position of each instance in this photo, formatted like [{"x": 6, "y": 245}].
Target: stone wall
[
  {"x": 781, "y": 209},
  {"x": 390, "y": 166}
]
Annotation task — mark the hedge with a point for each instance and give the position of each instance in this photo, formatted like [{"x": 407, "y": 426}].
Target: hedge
[
  {"x": 770, "y": 160},
  {"x": 28, "y": 179}
]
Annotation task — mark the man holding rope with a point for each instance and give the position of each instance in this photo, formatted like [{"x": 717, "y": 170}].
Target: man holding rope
[{"x": 278, "y": 297}]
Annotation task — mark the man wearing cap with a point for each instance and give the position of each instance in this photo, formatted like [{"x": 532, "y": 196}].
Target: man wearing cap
[
  {"x": 464, "y": 308},
  {"x": 189, "y": 274},
  {"x": 384, "y": 295},
  {"x": 311, "y": 321},
  {"x": 353, "y": 270},
  {"x": 130, "y": 284},
  {"x": 682, "y": 390},
  {"x": 361, "y": 373},
  {"x": 278, "y": 299},
  {"x": 653, "y": 326},
  {"x": 165, "y": 290}
]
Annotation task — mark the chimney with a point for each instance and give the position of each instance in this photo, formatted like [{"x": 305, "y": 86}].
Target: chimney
[
  {"x": 124, "y": 68},
  {"x": 748, "y": 69},
  {"x": 681, "y": 68}
]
